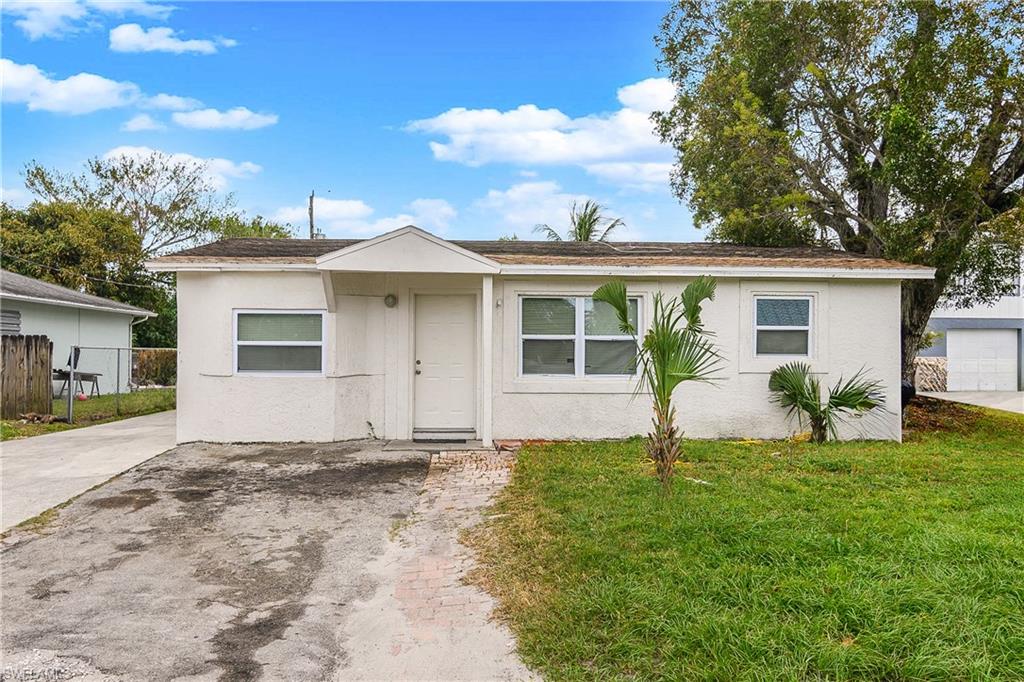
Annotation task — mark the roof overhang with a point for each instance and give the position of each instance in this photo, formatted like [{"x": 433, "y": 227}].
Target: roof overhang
[
  {"x": 71, "y": 304},
  {"x": 408, "y": 249},
  {"x": 742, "y": 271}
]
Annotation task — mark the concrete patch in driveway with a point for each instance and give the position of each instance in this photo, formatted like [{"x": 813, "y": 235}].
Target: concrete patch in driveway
[
  {"x": 1010, "y": 401},
  {"x": 207, "y": 562},
  {"x": 43, "y": 471}
]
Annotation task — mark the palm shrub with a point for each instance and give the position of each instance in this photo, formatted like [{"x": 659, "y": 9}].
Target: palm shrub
[
  {"x": 587, "y": 223},
  {"x": 795, "y": 388},
  {"x": 674, "y": 349}
]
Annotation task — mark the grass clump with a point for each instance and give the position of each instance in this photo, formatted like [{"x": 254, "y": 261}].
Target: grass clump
[
  {"x": 95, "y": 410},
  {"x": 856, "y": 560}
]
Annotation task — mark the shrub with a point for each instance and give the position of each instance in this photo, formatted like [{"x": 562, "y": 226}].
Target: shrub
[
  {"x": 795, "y": 388},
  {"x": 157, "y": 366}
]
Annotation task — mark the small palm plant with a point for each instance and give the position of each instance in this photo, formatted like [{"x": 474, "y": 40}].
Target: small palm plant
[
  {"x": 795, "y": 388},
  {"x": 675, "y": 349},
  {"x": 587, "y": 223}
]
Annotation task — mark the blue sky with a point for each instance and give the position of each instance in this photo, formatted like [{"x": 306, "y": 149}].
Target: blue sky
[{"x": 472, "y": 120}]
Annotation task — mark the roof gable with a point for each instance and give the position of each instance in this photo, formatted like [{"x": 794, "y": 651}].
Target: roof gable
[{"x": 408, "y": 249}]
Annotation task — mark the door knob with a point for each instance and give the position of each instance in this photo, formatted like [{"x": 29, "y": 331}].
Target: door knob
[{"x": 419, "y": 372}]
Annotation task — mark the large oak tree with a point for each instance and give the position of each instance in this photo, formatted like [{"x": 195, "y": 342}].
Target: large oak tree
[{"x": 893, "y": 129}]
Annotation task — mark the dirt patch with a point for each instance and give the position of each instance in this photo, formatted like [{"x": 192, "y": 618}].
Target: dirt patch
[
  {"x": 925, "y": 414},
  {"x": 136, "y": 498},
  {"x": 270, "y": 599},
  {"x": 295, "y": 453},
  {"x": 191, "y": 494},
  {"x": 44, "y": 588}
]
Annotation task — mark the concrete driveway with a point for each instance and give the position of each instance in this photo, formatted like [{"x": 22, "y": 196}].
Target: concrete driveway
[
  {"x": 241, "y": 562},
  {"x": 1011, "y": 401},
  {"x": 43, "y": 471}
]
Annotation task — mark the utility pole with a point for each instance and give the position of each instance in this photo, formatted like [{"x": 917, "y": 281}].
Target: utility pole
[{"x": 312, "y": 230}]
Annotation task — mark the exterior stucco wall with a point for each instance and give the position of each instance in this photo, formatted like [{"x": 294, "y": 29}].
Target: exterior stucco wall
[
  {"x": 67, "y": 327},
  {"x": 367, "y": 384},
  {"x": 738, "y": 404},
  {"x": 215, "y": 404}
]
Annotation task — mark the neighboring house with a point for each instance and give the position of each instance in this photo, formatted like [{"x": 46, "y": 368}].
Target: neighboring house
[
  {"x": 409, "y": 335},
  {"x": 983, "y": 346},
  {"x": 71, "y": 318}
]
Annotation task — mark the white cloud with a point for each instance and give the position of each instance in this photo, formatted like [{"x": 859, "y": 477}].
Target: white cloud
[
  {"x": 352, "y": 217},
  {"x": 239, "y": 118},
  {"x": 78, "y": 94},
  {"x": 635, "y": 175},
  {"x": 82, "y": 93},
  {"x": 529, "y": 135},
  {"x": 140, "y": 123},
  {"x": 58, "y": 18},
  {"x": 135, "y": 38},
  {"x": 16, "y": 197},
  {"x": 218, "y": 171},
  {"x": 170, "y": 103},
  {"x": 523, "y": 206},
  {"x": 653, "y": 94}
]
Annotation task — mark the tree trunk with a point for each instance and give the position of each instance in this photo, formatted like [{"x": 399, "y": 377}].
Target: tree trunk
[
  {"x": 819, "y": 434},
  {"x": 919, "y": 298}
]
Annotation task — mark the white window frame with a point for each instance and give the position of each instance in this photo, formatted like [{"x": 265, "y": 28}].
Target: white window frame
[
  {"x": 809, "y": 327},
  {"x": 235, "y": 343},
  {"x": 580, "y": 338}
]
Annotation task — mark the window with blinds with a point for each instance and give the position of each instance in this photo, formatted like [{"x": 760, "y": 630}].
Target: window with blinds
[
  {"x": 574, "y": 336},
  {"x": 782, "y": 325},
  {"x": 283, "y": 342}
]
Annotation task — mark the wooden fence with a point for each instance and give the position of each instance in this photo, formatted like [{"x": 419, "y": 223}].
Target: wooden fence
[{"x": 26, "y": 375}]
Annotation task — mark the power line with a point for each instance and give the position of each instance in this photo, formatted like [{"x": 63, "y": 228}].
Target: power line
[{"x": 94, "y": 279}]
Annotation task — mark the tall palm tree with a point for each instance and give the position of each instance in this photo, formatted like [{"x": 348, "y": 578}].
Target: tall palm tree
[
  {"x": 587, "y": 223},
  {"x": 676, "y": 348}
]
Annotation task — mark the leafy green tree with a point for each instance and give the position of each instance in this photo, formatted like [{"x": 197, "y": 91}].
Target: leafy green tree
[
  {"x": 674, "y": 349},
  {"x": 86, "y": 249},
  {"x": 894, "y": 129},
  {"x": 89, "y": 249},
  {"x": 237, "y": 225},
  {"x": 587, "y": 223},
  {"x": 171, "y": 202}
]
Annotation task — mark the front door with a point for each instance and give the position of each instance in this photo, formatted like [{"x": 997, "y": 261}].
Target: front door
[{"x": 444, "y": 364}]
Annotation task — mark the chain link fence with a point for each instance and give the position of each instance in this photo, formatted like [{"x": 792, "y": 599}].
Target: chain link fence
[{"x": 99, "y": 382}]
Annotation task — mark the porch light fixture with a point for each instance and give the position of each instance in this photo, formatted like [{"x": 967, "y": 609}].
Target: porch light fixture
[{"x": 390, "y": 300}]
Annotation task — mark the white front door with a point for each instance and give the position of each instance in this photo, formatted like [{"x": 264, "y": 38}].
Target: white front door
[
  {"x": 445, "y": 365},
  {"x": 981, "y": 359}
]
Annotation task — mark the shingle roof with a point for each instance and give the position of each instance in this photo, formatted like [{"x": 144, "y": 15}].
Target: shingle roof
[
  {"x": 554, "y": 253},
  {"x": 22, "y": 287}
]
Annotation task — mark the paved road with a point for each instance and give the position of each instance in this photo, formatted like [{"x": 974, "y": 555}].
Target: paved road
[
  {"x": 42, "y": 471},
  {"x": 1011, "y": 401}
]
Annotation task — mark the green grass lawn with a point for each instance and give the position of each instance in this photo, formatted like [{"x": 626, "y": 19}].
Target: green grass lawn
[
  {"x": 864, "y": 560},
  {"x": 95, "y": 410}
]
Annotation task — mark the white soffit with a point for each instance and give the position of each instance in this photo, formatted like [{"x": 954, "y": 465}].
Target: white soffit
[{"x": 408, "y": 249}]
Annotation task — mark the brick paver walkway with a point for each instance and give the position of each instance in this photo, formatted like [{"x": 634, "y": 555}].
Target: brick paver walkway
[{"x": 422, "y": 621}]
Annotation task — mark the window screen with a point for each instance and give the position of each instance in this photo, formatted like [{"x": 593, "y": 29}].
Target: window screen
[
  {"x": 279, "y": 342},
  {"x": 782, "y": 326}
]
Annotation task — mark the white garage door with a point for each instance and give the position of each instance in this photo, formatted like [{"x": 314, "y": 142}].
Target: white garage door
[{"x": 981, "y": 359}]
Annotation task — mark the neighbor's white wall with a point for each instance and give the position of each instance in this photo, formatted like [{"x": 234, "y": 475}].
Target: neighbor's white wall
[
  {"x": 67, "y": 326},
  {"x": 856, "y": 325}
]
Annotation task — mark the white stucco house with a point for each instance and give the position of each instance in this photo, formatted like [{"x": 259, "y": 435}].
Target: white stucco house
[
  {"x": 72, "y": 318},
  {"x": 410, "y": 335},
  {"x": 983, "y": 345}
]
